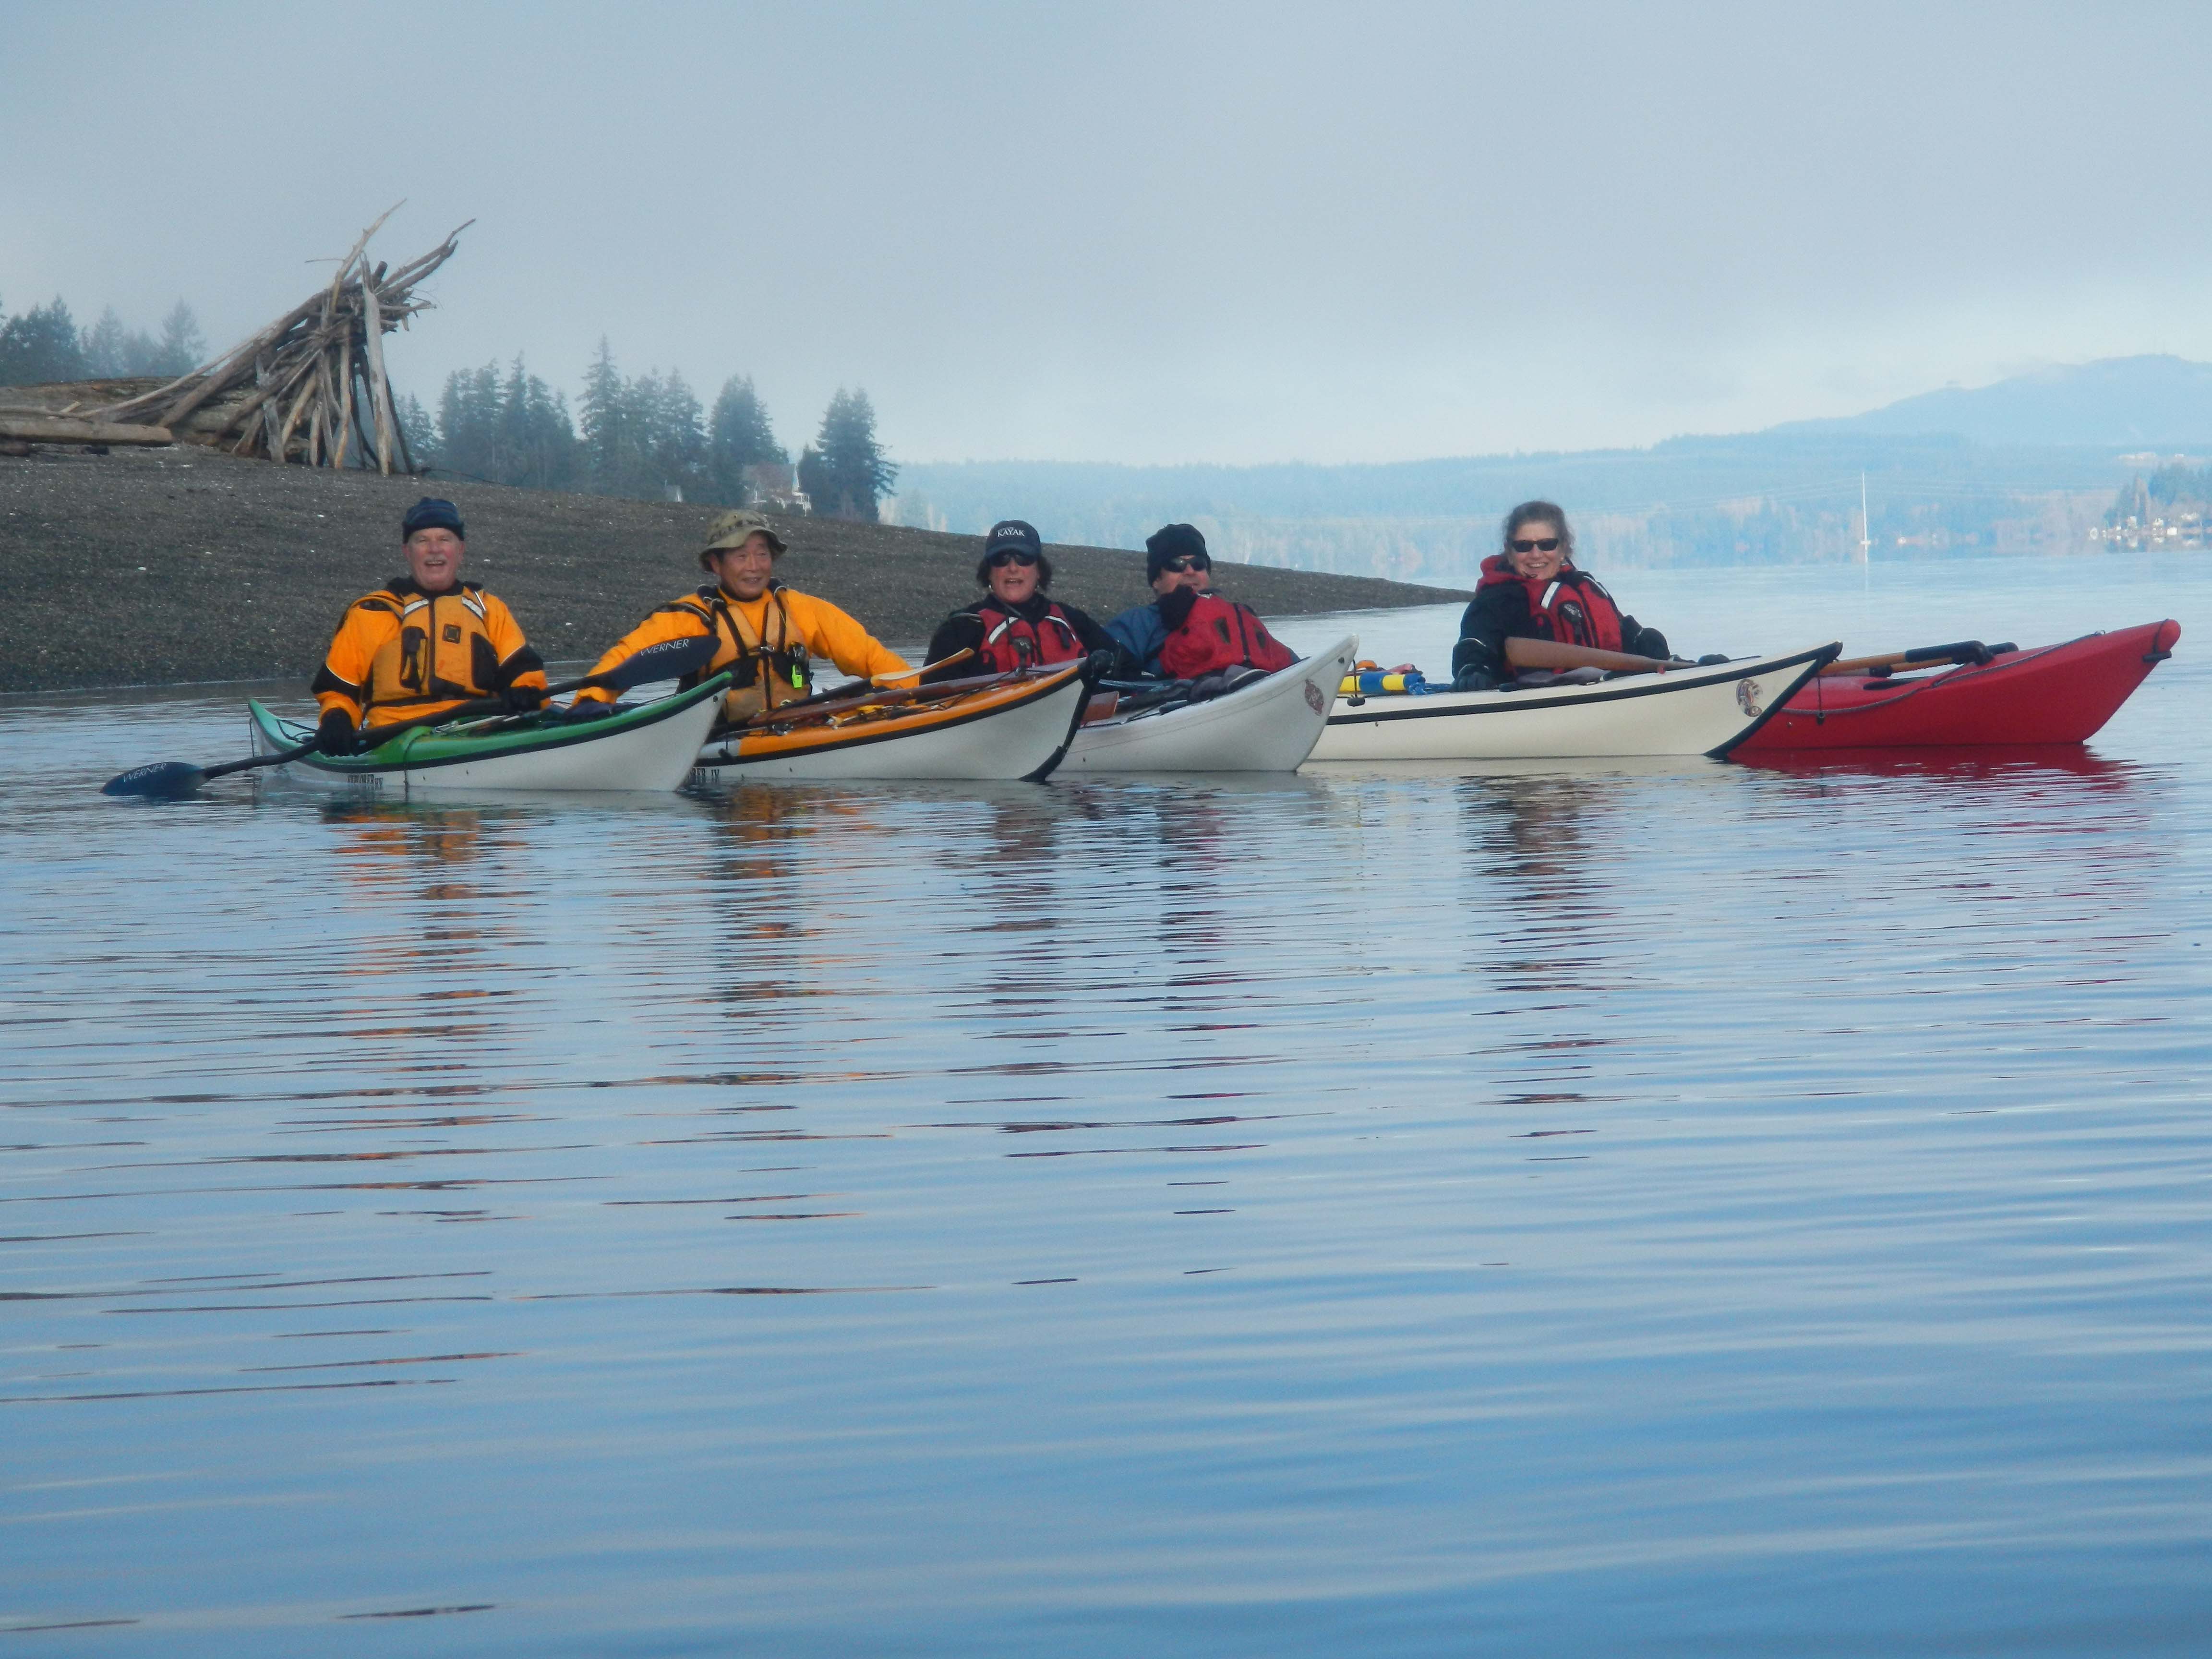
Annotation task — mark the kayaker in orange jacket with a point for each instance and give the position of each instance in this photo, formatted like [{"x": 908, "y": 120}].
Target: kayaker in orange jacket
[
  {"x": 424, "y": 642},
  {"x": 769, "y": 634}
]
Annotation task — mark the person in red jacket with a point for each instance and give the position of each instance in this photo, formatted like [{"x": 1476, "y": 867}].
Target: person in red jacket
[
  {"x": 1014, "y": 625},
  {"x": 1531, "y": 590}
]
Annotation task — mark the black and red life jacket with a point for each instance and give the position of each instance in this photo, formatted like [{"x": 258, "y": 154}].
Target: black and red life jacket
[
  {"x": 1220, "y": 633},
  {"x": 1012, "y": 640},
  {"x": 1571, "y": 604}
]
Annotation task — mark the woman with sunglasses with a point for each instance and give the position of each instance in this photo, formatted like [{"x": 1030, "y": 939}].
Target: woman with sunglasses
[
  {"x": 1530, "y": 590},
  {"x": 1014, "y": 625}
]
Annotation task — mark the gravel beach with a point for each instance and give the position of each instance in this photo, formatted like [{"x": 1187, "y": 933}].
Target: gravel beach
[{"x": 177, "y": 565}]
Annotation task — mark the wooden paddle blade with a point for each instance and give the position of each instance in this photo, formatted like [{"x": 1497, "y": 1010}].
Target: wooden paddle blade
[
  {"x": 165, "y": 778},
  {"x": 1550, "y": 653}
]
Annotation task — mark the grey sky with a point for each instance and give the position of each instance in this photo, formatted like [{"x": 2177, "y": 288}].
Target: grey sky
[{"x": 1155, "y": 233}]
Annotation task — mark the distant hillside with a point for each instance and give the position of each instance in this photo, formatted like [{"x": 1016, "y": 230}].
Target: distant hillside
[
  {"x": 2029, "y": 463},
  {"x": 2129, "y": 403},
  {"x": 158, "y": 566}
]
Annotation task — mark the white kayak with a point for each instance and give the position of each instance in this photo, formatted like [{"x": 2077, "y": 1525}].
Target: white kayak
[
  {"x": 1267, "y": 725},
  {"x": 648, "y": 748},
  {"x": 1002, "y": 726},
  {"x": 1685, "y": 711}
]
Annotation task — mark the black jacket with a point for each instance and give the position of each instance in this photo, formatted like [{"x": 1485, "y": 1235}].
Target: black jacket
[{"x": 964, "y": 630}]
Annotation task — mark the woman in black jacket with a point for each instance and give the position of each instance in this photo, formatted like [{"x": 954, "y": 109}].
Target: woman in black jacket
[{"x": 1530, "y": 590}]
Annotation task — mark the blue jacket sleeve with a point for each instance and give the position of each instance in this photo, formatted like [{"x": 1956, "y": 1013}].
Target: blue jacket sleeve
[{"x": 1140, "y": 632}]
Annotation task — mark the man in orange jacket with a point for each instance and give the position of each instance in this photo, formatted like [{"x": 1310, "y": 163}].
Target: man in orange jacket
[
  {"x": 423, "y": 643},
  {"x": 767, "y": 633}
]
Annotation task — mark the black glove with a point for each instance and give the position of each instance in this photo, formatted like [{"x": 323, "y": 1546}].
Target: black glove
[
  {"x": 1175, "y": 607},
  {"x": 523, "y": 699},
  {"x": 586, "y": 709},
  {"x": 334, "y": 734}
]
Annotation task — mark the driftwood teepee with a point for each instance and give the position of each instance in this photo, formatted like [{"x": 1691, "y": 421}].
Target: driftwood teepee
[{"x": 310, "y": 387}]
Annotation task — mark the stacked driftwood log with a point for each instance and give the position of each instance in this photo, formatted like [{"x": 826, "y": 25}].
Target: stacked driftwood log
[{"x": 310, "y": 387}]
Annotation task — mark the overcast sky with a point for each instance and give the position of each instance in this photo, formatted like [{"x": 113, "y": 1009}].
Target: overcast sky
[{"x": 1157, "y": 233}]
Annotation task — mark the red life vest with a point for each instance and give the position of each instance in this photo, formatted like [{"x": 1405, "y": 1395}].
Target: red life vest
[
  {"x": 1572, "y": 605},
  {"x": 1220, "y": 633},
  {"x": 1013, "y": 641}
]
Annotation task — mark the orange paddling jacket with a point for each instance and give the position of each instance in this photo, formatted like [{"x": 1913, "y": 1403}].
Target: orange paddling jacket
[
  {"x": 767, "y": 644},
  {"x": 400, "y": 653}
]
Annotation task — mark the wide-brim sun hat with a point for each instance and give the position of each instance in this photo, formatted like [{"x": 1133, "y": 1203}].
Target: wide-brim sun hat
[{"x": 733, "y": 530}]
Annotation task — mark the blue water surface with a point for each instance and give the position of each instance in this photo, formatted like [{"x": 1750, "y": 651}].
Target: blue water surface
[{"x": 1675, "y": 1208}]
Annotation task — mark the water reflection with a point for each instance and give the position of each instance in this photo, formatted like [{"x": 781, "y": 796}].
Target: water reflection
[
  {"x": 1970, "y": 764},
  {"x": 1324, "y": 1214}
]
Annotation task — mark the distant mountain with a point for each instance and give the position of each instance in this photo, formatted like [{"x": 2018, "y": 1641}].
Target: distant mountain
[
  {"x": 2127, "y": 402},
  {"x": 2032, "y": 462}
]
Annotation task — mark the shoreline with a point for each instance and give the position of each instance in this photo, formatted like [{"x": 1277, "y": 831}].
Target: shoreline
[{"x": 170, "y": 569}]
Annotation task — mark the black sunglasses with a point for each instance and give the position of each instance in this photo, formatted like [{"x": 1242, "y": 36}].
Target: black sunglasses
[
  {"x": 1006, "y": 556},
  {"x": 1187, "y": 562},
  {"x": 1539, "y": 544}
]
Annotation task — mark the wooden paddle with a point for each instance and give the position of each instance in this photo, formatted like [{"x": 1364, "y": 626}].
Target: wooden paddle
[
  {"x": 826, "y": 705},
  {"x": 1923, "y": 656},
  {"x": 667, "y": 660},
  {"x": 852, "y": 689},
  {"x": 1550, "y": 653}
]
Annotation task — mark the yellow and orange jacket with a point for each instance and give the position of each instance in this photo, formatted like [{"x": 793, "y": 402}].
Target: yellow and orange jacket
[
  {"x": 401, "y": 654},
  {"x": 767, "y": 644}
]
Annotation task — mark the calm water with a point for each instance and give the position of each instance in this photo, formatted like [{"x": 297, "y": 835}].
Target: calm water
[{"x": 1675, "y": 1210}]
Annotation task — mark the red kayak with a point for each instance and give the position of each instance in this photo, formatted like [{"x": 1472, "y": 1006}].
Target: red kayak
[{"x": 2053, "y": 693}]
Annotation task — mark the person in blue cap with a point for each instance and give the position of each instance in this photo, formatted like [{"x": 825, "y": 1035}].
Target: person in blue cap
[{"x": 424, "y": 642}]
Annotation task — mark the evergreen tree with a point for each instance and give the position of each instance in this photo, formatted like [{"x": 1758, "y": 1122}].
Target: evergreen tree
[
  {"x": 537, "y": 443},
  {"x": 41, "y": 346},
  {"x": 415, "y": 427},
  {"x": 112, "y": 351},
  {"x": 813, "y": 484},
  {"x": 515, "y": 432},
  {"x": 676, "y": 433},
  {"x": 468, "y": 423},
  {"x": 851, "y": 474},
  {"x": 181, "y": 349},
  {"x": 606, "y": 424},
  {"x": 739, "y": 437}
]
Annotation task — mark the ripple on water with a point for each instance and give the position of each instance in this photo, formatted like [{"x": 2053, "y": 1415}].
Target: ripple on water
[{"x": 1667, "y": 1208}]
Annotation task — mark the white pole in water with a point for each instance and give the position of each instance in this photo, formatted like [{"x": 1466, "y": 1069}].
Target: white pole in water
[{"x": 1866, "y": 537}]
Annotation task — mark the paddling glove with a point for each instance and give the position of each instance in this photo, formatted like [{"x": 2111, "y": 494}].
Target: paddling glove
[
  {"x": 523, "y": 699},
  {"x": 334, "y": 735}
]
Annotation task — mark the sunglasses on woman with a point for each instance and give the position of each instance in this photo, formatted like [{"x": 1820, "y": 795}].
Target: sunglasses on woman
[
  {"x": 1006, "y": 556},
  {"x": 1186, "y": 561},
  {"x": 1537, "y": 544}
]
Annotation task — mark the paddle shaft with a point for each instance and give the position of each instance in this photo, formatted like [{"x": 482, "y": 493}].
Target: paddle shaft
[
  {"x": 1923, "y": 656},
  {"x": 867, "y": 690},
  {"x": 829, "y": 703},
  {"x": 1550, "y": 653}
]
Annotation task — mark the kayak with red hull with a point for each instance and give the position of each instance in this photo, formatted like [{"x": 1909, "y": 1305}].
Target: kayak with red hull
[{"x": 2052, "y": 694}]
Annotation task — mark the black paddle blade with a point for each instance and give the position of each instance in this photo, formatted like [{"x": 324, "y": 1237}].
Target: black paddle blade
[
  {"x": 161, "y": 778},
  {"x": 669, "y": 659}
]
